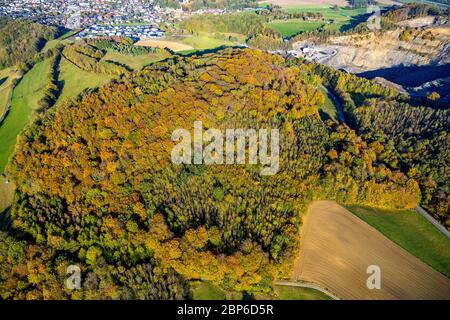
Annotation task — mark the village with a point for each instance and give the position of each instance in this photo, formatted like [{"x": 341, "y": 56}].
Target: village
[
  {"x": 136, "y": 19},
  {"x": 133, "y": 32}
]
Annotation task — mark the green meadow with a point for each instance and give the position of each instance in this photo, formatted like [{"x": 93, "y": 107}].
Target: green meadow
[
  {"x": 64, "y": 39},
  {"x": 340, "y": 19},
  {"x": 292, "y": 27},
  {"x": 204, "y": 290},
  {"x": 24, "y": 101},
  {"x": 205, "y": 41},
  {"x": 7, "y": 77},
  {"x": 411, "y": 231},
  {"x": 438, "y": 4},
  {"x": 299, "y": 293},
  {"x": 328, "y": 108},
  {"x": 75, "y": 80},
  {"x": 6, "y": 194},
  {"x": 135, "y": 62},
  {"x": 29, "y": 91},
  {"x": 202, "y": 42}
]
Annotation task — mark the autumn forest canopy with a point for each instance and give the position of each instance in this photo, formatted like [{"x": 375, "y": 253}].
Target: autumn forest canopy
[
  {"x": 96, "y": 186},
  {"x": 21, "y": 40}
]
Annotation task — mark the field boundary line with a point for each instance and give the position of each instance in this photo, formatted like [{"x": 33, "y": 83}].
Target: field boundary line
[{"x": 433, "y": 221}]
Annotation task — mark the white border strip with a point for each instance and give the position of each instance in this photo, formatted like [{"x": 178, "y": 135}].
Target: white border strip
[{"x": 435, "y": 223}]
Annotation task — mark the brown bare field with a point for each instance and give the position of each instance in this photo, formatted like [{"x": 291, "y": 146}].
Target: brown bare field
[
  {"x": 174, "y": 46},
  {"x": 337, "y": 247}
]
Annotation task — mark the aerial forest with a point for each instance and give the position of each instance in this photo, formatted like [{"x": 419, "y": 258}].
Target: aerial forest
[{"x": 96, "y": 186}]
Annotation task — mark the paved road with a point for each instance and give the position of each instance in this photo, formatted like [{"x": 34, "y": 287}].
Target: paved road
[{"x": 434, "y": 222}]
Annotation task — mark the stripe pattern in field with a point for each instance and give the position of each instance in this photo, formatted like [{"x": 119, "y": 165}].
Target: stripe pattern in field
[{"x": 337, "y": 247}]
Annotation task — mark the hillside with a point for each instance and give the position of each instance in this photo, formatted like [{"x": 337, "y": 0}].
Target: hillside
[
  {"x": 361, "y": 53},
  {"x": 95, "y": 183},
  {"x": 411, "y": 137},
  {"x": 22, "y": 105},
  {"x": 71, "y": 69},
  {"x": 21, "y": 40},
  {"x": 410, "y": 48}
]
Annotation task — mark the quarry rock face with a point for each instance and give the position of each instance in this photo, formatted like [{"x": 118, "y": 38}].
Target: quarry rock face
[{"x": 360, "y": 53}]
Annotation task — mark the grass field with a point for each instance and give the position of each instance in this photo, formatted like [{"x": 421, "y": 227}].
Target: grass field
[
  {"x": 6, "y": 193},
  {"x": 24, "y": 101},
  {"x": 298, "y": 293},
  {"x": 329, "y": 109},
  {"x": 202, "y": 42},
  {"x": 412, "y": 232},
  {"x": 186, "y": 44},
  {"x": 7, "y": 76},
  {"x": 29, "y": 91},
  {"x": 289, "y": 28},
  {"x": 438, "y": 4},
  {"x": 203, "y": 290},
  {"x": 75, "y": 80},
  {"x": 135, "y": 62},
  {"x": 337, "y": 248},
  {"x": 342, "y": 18},
  {"x": 64, "y": 39}
]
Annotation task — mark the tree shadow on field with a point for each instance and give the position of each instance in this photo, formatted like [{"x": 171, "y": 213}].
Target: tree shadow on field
[
  {"x": 324, "y": 115},
  {"x": 5, "y": 219},
  {"x": 410, "y": 76},
  {"x": 3, "y": 80},
  {"x": 354, "y": 21},
  {"x": 206, "y": 51}
]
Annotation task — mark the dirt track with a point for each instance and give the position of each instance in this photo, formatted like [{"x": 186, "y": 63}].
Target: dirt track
[{"x": 337, "y": 247}]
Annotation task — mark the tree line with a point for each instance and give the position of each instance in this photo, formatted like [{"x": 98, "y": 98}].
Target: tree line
[
  {"x": 121, "y": 45},
  {"x": 90, "y": 58},
  {"x": 417, "y": 136}
]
